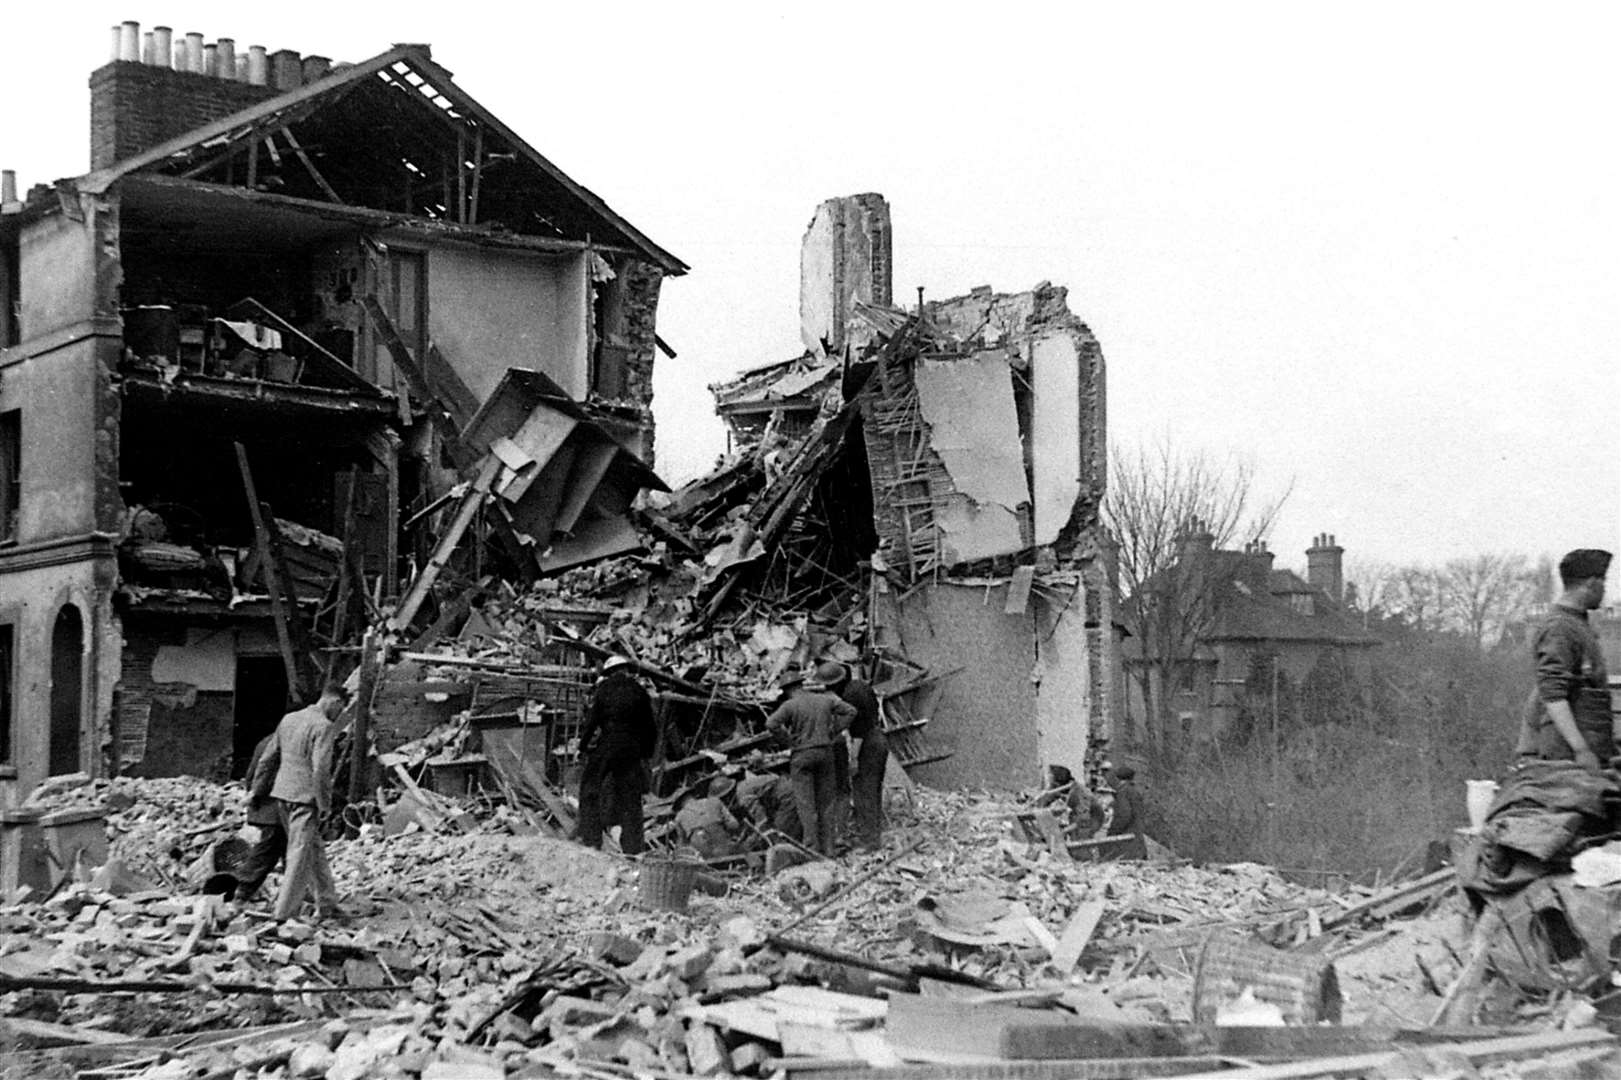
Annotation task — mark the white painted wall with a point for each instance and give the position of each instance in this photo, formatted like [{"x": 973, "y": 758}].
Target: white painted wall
[{"x": 1055, "y": 435}]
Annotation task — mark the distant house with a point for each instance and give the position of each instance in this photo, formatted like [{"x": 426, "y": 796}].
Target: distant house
[{"x": 1267, "y": 643}]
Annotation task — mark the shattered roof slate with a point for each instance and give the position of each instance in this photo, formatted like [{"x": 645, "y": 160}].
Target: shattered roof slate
[
  {"x": 333, "y": 87},
  {"x": 780, "y": 381}
]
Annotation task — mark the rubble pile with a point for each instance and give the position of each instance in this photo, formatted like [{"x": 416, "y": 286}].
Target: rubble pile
[
  {"x": 155, "y": 827},
  {"x": 495, "y": 953}
]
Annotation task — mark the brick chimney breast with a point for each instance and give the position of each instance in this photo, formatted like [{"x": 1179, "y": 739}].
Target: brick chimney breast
[{"x": 135, "y": 106}]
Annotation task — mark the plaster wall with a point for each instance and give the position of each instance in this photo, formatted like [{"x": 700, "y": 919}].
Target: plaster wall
[
  {"x": 987, "y": 713},
  {"x": 1064, "y": 706},
  {"x": 844, "y": 256},
  {"x": 1055, "y": 442},
  {"x": 493, "y": 310},
  {"x": 34, "y": 588},
  {"x": 59, "y": 395},
  {"x": 56, "y": 275},
  {"x": 177, "y": 678}
]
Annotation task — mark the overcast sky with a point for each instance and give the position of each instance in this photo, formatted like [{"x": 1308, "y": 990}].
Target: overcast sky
[{"x": 1377, "y": 253}]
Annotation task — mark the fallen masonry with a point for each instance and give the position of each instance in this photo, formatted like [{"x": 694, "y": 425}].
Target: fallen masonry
[{"x": 481, "y": 949}]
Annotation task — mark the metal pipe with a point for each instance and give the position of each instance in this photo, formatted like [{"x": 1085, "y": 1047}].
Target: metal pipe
[
  {"x": 225, "y": 53},
  {"x": 129, "y": 42},
  {"x": 258, "y": 65},
  {"x": 162, "y": 46},
  {"x": 194, "y": 53}
]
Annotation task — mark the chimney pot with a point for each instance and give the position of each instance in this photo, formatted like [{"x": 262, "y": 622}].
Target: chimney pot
[
  {"x": 8, "y": 188},
  {"x": 316, "y": 67},
  {"x": 211, "y": 59},
  {"x": 194, "y": 53},
  {"x": 258, "y": 65},
  {"x": 286, "y": 69},
  {"x": 226, "y": 58},
  {"x": 129, "y": 41},
  {"x": 162, "y": 47},
  {"x": 116, "y": 35}
]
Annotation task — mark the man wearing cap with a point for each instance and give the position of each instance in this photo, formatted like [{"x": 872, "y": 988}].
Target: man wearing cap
[
  {"x": 811, "y": 720},
  {"x": 705, "y": 824},
  {"x": 1567, "y": 717},
  {"x": 617, "y": 738}
]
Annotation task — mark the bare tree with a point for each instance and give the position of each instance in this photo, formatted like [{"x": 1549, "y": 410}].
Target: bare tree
[
  {"x": 1480, "y": 593},
  {"x": 1158, "y": 497},
  {"x": 1367, "y": 586},
  {"x": 1414, "y": 594}
]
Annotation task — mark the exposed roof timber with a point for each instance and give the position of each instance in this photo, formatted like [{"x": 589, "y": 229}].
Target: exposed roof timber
[
  {"x": 415, "y": 58},
  {"x": 97, "y": 182},
  {"x": 362, "y": 216},
  {"x": 378, "y": 404}
]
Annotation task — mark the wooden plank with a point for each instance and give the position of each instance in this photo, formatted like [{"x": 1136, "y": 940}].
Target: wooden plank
[
  {"x": 284, "y": 641},
  {"x": 1077, "y": 935},
  {"x": 1087, "y": 1069},
  {"x": 1018, "y": 592},
  {"x": 1502, "y": 1049},
  {"x": 471, "y": 502},
  {"x": 1394, "y": 900}
]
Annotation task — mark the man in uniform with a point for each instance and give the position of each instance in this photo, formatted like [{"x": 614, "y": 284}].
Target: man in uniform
[
  {"x": 303, "y": 794},
  {"x": 812, "y": 720},
  {"x": 1568, "y": 714},
  {"x": 617, "y": 738}
]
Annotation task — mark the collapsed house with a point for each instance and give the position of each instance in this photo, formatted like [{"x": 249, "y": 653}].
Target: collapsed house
[
  {"x": 239, "y": 362},
  {"x": 952, "y": 465}
]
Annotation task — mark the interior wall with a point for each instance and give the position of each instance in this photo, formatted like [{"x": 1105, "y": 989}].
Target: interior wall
[
  {"x": 491, "y": 310},
  {"x": 986, "y": 713},
  {"x": 57, "y": 272},
  {"x": 1055, "y": 443},
  {"x": 188, "y": 728},
  {"x": 1064, "y": 665}
]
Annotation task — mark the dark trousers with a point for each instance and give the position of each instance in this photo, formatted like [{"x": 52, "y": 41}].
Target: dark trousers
[
  {"x": 869, "y": 790},
  {"x": 611, "y": 794},
  {"x": 811, "y": 773},
  {"x": 261, "y": 858},
  {"x": 839, "y": 811}
]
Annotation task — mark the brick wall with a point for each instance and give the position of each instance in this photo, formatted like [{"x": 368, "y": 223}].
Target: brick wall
[
  {"x": 134, "y": 107},
  {"x": 642, "y": 281}
]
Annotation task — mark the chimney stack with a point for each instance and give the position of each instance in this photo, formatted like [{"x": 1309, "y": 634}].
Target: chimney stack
[
  {"x": 1325, "y": 568},
  {"x": 844, "y": 257},
  {"x": 145, "y": 96}
]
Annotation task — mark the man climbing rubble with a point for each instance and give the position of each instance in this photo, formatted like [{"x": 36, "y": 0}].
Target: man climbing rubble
[
  {"x": 264, "y": 816},
  {"x": 303, "y": 793},
  {"x": 812, "y": 720},
  {"x": 616, "y": 740},
  {"x": 1567, "y": 717}
]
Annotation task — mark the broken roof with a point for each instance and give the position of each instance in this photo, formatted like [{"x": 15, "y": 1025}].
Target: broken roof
[{"x": 389, "y": 124}]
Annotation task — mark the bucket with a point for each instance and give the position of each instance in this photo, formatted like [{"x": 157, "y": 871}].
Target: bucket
[
  {"x": 666, "y": 882},
  {"x": 1478, "y": 796}
]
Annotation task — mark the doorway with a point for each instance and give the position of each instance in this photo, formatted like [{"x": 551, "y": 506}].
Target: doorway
[{"x": 261, "y": 702}]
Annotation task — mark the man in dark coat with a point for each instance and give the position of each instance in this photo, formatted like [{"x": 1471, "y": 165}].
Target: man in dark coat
[
  {"x": 1567, "y": 717},
  {"x": 812, "y": 720},
  {"x": 616, "y": 740},
  {"x": 872, "y": 756},
  {"x": 1128, "y": 811},
  {"x": 272, "y": 845}
]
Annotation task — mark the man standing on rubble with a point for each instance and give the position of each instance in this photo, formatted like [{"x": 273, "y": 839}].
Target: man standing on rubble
[
  {"x": 871, "y": 758},
  {"x": 1567, "y": 717},
  {"x": 812, "y": 720},
  {"x": 616, "y": 740},
  {"x": 303, "y": 794}
]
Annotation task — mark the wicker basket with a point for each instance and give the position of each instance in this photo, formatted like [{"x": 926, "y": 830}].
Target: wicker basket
[
  {"x": 666, "y": 881},
  {"x": 1304, "y": 987}
]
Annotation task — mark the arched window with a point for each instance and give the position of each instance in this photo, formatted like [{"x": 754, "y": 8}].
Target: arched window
[{"x": 67, "y": 690}]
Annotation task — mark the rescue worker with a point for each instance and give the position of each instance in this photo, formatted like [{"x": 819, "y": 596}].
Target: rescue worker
[
  {"x": 768, "y": 800},
  {"x": 303, "y": 793},
  {"x": 1128, "y": 811},
  {"x": 812, "y": 720},
  {"x": 871, "y": 758},
  {"x": 705, "y": 824},
  {"x": 262, "y": 814},
  {"x": 616, "y": 740},
  {"x": 1086, "y": 813},
  {"x": 1567, "y": 716}
]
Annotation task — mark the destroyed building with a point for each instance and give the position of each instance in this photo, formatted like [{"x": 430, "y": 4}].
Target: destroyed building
[
  {"x": 954, "y": 461},
  {"x": 237, "y": 359}
]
